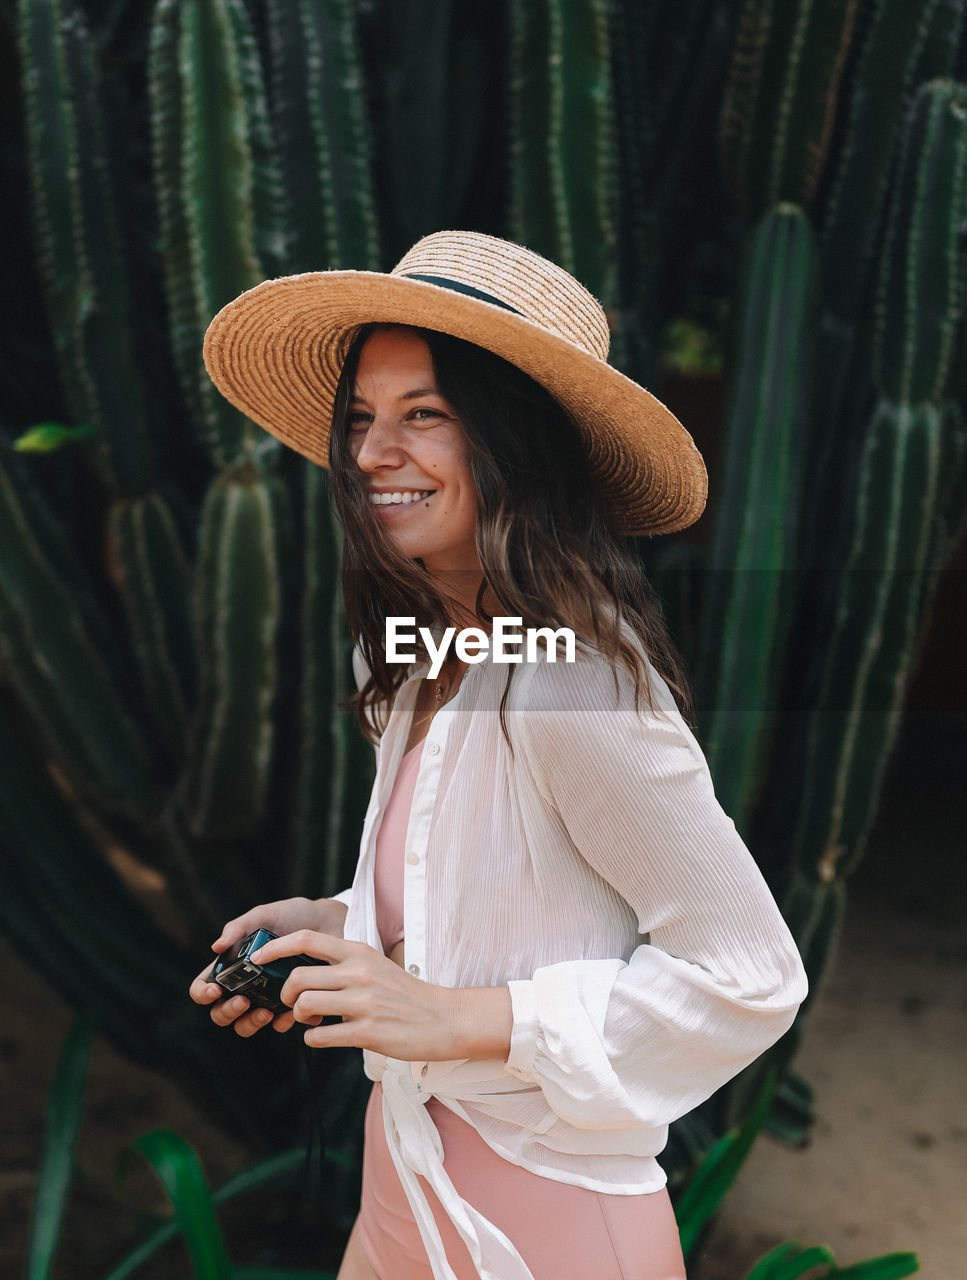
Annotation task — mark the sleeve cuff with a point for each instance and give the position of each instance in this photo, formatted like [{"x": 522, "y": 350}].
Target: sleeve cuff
[
  {"x": 523, "y": 1038},
  {"x": 345, "y": 897}
]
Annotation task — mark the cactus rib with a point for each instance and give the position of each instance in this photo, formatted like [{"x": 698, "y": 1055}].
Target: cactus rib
[
  {"x": 61, "y": 675},
  {"x": 752, "y": 553},
  {"x": 238, "y": 611},
  {"x": 82, "y": 263},
  {"x": 156, "y": 589}
]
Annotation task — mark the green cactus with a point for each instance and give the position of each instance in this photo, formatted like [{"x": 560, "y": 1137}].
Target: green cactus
[
  {"x": 86, "y": 288},
  {"x": 314, "y": 61},
  {"x": 780, "y": 101},
  {"x": 126, "y": 657},
  {"x": 891, "y": 64},
  {"x": 219, "y": 189},
  {"x": 562, "y": 154},
  {"x": 120, "y": 947},
  {"x": 951, "y": 513},
  {"x": 61, "y": 658},
  {"x": 921, "y": 291},
  {"x": 319, "y": 759},
  {"x": 904, "y": 45},
  {"x": 156, "y": 585},
  {"x": 870, "y": 642},
  {"x": 920, "y": 308},
  {"x": 880, "y": 589},
  {"x": 238, "y": 604},
  {"x": 751, "y": 560},
  {"x": 667, "y": 67},
  {"x": 432, "y": 130},
  {"x": 170, "y": 626}
]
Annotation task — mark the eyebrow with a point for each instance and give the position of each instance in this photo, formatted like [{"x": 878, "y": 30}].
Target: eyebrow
[{"x": 407, "y": 395}]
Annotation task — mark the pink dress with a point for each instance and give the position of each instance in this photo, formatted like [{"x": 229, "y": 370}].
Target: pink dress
[{"x": 561, "y": 1231}]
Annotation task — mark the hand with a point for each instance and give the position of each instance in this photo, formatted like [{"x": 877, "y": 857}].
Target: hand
[
  {"x": 278, "y": 917},
  {"x": 385, "y": 1009}
]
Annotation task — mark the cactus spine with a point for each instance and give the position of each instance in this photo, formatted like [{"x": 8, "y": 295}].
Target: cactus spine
[
  {"x": 903, "y": 44},
  {"x": 83, "y": 266},
  {"x": 238, "y": 612},
  {"x": 316, "y": 85},
  {"x": 563, "y": 154},
  {"x": 780, "y": 100},
  {"x": 219, "y": 188},
  {"x": 880, "y": 591},
  {"x": 919, "y": 307}
]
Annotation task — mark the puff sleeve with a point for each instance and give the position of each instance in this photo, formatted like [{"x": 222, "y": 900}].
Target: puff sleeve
[{"x": 641, "y": 1040}]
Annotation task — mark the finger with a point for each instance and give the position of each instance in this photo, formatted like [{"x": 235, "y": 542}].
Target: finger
[
  {"x": 226, "y": 1011},
  {"x": 253, "y": 1021},
  {"x": 311, "y": 977},
  {"x": 232, "y": 933},
  {"x": 334, "y": 1036},
  {"x": 321, "y": 946},
  {"x": 312, "y": 1006},
  {"x": 204, "y": 992},
  {"x": 283, "y": 1022},
  {"x": 237, "y": 929}
]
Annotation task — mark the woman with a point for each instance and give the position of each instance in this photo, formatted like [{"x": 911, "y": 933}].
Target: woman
[{"x": 555, "y": 943}]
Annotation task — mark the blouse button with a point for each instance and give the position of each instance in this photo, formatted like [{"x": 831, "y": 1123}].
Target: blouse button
[
  {"x": 434, "y": 748},
  {"x": 413, "y": 859},
  {"x": 414, "y": 969}
]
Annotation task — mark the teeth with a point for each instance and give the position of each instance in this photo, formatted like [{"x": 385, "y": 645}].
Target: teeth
[{"x": 401, "y": 498}]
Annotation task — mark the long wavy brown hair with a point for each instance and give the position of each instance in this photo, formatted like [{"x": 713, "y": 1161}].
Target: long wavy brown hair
[{"x": 548, "y": 551}]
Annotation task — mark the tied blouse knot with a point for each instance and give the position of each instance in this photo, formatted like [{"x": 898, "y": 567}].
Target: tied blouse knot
[{"x": 596, "y": 875}]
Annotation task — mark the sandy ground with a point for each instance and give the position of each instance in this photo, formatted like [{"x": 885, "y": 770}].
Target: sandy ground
[
  {"x": 887, "y": 1167},
  {"x": 884, "y": 1051}
]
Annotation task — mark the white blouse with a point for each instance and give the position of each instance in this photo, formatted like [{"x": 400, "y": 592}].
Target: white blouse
[{"x": 594, "y": 873}]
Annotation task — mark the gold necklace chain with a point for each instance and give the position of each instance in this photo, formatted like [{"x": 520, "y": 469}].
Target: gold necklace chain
[{"x": 442, "y": 691}]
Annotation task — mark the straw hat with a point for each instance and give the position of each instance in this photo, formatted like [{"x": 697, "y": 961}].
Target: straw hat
[{"x": 277, "y": 350}]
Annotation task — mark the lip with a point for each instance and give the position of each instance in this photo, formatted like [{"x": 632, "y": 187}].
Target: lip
[{"x": 402, "y": 488}]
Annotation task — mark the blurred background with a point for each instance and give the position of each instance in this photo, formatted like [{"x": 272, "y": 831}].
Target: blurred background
[{"x": 769, "y": 200}]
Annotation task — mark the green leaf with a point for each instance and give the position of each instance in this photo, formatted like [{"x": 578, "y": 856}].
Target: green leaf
[
  {"x": 64, "y": 1109},
  {"x": 270, "y": 1273},
  {"x": 45, "y": 437},
  {"x": 142, "y": 1252},
  {"x": 239, "y": 1184},
  {"x": 789, "y": 1261},
  {"x": 718, "y": 1171},
  {"x": 181, "y": 1175},
  {"x": 889, "y": 1266},
  {"x": 266, "y": 1170}
]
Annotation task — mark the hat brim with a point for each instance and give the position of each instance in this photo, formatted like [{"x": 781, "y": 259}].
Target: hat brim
[{"x": 277, "y": 350}]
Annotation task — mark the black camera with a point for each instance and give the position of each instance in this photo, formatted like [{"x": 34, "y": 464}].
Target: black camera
[{"x": 262, "y": 984}]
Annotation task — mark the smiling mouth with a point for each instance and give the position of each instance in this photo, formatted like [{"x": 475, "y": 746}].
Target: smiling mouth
[{"x": 402, "y": 498}]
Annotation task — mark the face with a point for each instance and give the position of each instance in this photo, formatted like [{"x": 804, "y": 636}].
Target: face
[{"x": 407, "y": 442}]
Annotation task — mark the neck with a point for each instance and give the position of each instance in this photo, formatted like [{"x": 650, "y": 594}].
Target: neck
[{"x": 462, "y": 590}]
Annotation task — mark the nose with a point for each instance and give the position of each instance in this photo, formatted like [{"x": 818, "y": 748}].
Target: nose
[{"x": 380, "y": 446}]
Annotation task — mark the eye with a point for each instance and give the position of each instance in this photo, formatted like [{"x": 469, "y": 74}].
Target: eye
[
  {"x": 426, "y": 415},
  {"x": 357, "y": 419}
]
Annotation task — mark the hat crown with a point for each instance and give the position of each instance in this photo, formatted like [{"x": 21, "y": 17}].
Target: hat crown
[{"x": 517, "y": 277}]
